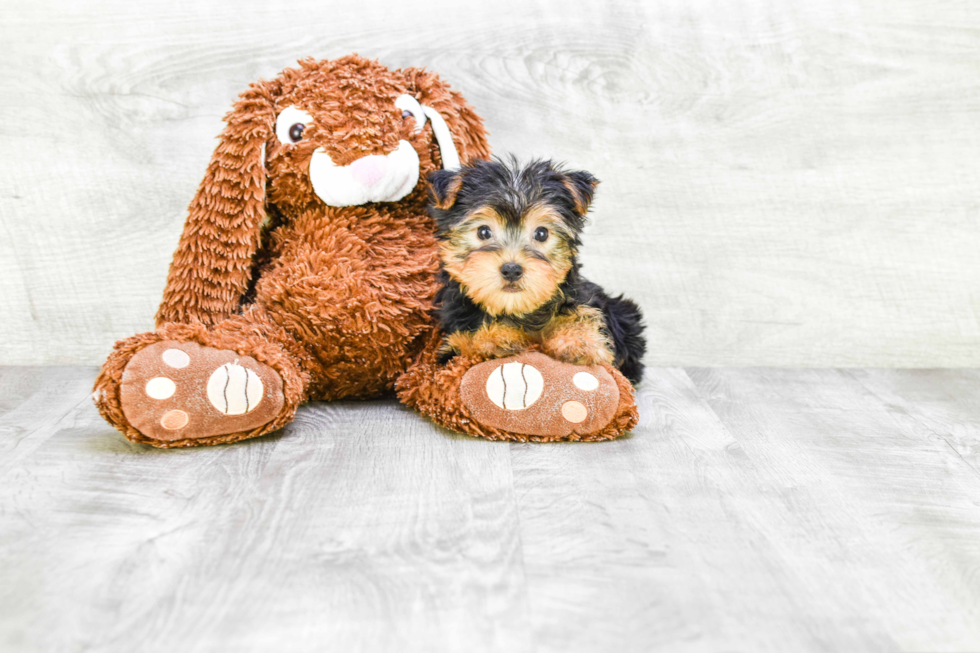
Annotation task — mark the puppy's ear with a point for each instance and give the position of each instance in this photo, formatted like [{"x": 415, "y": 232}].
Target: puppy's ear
[
  {"x": 581, "y": 185},
  {"x": 212, "y": 266},
  {"x": 444, "y": 186}
]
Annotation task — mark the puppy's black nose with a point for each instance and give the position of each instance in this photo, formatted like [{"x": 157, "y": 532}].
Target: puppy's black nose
[{"x": 511, "y": 271}]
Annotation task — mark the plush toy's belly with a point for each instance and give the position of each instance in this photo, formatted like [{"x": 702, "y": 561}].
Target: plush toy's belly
[{"x": 358, "y": 304}]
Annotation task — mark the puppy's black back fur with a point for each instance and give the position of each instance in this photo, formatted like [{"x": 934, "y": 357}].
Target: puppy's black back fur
[{"x": 624, "y": 325}]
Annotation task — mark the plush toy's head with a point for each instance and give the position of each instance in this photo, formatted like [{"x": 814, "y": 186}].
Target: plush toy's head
[
  {"x": 350, "y": 131},
  {"x": 335, "y": 133}
]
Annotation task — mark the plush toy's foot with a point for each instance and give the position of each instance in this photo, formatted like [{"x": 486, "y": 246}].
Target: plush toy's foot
[
  {"x": 528, "y": 397},
  {"x": 536, "y": 395},
  {"x": 177, "y": 391}
]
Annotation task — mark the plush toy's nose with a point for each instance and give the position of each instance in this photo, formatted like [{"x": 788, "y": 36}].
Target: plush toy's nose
[
  {"x": 511, "y": 271},
  {"x": 369, "y": 170}
]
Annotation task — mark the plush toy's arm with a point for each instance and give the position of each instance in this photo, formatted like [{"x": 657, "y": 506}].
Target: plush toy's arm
[{"x": 212, "y": 266}]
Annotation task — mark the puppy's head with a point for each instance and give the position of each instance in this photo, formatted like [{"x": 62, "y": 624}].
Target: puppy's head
[{"x": 508, "y": 233}]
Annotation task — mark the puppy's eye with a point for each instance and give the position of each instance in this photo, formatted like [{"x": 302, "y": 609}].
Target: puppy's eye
[
  {"x": 484, "y": 233},
  {"x": 540, "y": 234},
  {"x": 406, "y": 114},
  {"x": 290, "y": 125}
]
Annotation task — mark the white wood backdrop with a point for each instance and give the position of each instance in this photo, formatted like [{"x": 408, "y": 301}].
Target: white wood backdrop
[{"x": 784, "y": 183}]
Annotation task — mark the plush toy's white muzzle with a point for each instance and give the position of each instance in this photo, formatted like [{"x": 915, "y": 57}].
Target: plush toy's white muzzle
[
  {"x": 375, "y": 178},
  {"x": 381, "y": 178}
]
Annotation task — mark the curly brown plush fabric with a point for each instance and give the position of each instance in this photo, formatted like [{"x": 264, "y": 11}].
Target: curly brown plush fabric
[
  {"x": 336, "y": 300},
  {"x": 434, "y": 389}
]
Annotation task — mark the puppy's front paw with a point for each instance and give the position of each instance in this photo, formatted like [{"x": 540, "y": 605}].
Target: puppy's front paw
[
  {"x": 578, "y": 348},
  {"x": 579, "y": 338},
  {"x": 493, "y": 341}
]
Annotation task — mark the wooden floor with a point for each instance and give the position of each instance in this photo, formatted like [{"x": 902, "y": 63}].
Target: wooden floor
[{"x": 753, "y": 509}]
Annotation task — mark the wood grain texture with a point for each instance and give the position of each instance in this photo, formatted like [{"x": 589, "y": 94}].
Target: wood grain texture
[
  {"x": 360, "y": 525},
  {"x": 784, "y": 183},
  {"x": 751, "y": 510}
]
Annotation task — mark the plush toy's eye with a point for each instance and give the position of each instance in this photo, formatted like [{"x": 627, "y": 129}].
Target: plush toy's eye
[
  {"x": 411, "y": 107},
  {"x": 484, "y": 233},
  {"x": 540, "y": 234},
  {"x": 291, "y": 124}
]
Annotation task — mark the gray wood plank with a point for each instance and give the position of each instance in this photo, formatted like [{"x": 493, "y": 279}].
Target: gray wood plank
[
  {"x": 943, "y": 403},
  {"x": 784, "y": 183},
  {"x": 34, "y": 403},
  {"x": 614, "y": 533},
  {"x": 360, "y": 527},
  {"x": 874, "y": 523},
  {"x": 752, "y": 509}
]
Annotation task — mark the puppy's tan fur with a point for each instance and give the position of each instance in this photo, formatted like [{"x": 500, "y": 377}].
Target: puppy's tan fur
[
  {"x": 578, "y": 338},
  {"x": 489, "y": 341}
]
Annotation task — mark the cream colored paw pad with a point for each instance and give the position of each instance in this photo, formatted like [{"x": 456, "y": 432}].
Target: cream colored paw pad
[
  {"x": 585, "y": 381},
  {"x": 234, "y": 390},
  {"x": 176, "y": 358},
  {"x": 515, "y": 386},
  {"x": 160, "y": 388}
]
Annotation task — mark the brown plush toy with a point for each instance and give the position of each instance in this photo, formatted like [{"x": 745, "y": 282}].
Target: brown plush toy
[{"x": 307, "y": 271}]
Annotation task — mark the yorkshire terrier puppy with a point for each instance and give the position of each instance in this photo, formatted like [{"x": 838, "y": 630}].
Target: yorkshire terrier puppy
[{"x": 509, "y": 238}]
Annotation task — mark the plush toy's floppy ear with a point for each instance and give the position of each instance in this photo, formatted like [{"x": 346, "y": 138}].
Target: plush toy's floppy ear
[
  {"x": 447, "y": 148},
  {"x": 212, "y": 266},
  {"x": 581, "y": 185},
  {"x": 444, "y": 185},
  {"x": 450, "y": 115}
]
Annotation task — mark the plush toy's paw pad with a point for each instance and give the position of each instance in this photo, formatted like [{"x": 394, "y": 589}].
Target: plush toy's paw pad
[
  {"x": 535, "y": 395},
  {"x": 182, "y": 390}
]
